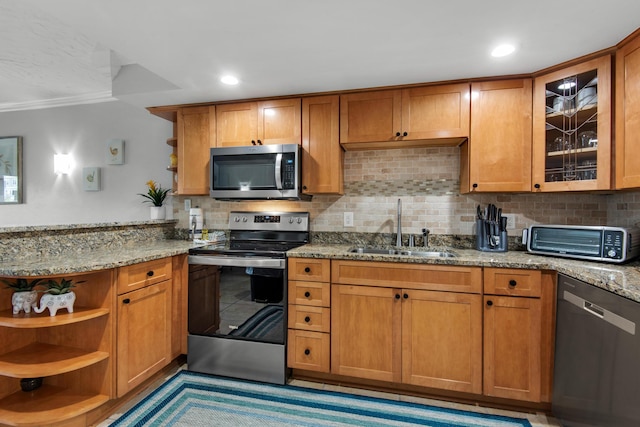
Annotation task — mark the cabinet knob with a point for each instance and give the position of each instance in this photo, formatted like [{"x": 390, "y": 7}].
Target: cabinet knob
[
  {"x": 307, "y": 351},
  {"x": 489, "y": 303},
  {"x": 397, "y": 133},
  {"x": 126, "y": 301},
  {"x": 150, "y": 273},
  {"x": 259, "y": 142},
  {"x": 404, "y": 134},
  {"x": 397, "y": 296},
  {"x": 475, "y": 185},
  {"x": 253, "y": 142},
  {"x": 304, "y": 187},
  {"x": 537, "y": 186},
  {"x": 512, "y": 283},
  {"x": 307, "y": 294},
  {"x": 307, "y": 270},
  {"x": 307, "y": 319},
  {"x": 405, "y": 296}
]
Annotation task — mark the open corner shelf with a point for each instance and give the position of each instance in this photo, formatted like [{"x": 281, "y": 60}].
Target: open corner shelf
[{"x": 43, "y": 320}]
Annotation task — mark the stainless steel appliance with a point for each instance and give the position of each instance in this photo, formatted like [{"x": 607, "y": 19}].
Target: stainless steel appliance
[
  {"x": 237, "y": 308},
  {"x": 257, "y": 172},
  {"x": 596, "y": 378},
  {"x": 594, "y": 243}
]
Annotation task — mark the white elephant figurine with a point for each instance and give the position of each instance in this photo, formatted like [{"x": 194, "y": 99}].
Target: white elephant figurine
[
  {"x": 24, "y": 301},
  {"x": 55, "y": 302}
]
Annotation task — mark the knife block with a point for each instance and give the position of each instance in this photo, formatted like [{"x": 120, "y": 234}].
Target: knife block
[{"x": 483, "y": 239}]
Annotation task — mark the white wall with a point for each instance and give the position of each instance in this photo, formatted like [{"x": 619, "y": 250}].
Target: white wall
[{"x": 83, "y": 132}]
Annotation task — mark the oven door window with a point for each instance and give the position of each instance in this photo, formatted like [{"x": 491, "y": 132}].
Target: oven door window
[
  {"x": 244, "y": 172},
  {"x": 248, "y": 301}
]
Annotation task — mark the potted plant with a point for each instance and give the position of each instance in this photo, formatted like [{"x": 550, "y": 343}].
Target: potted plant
[
  {"x": 57, "y": 295},
  {"x": 25, "y": 296},
  {"x": 156, "y": 195}
]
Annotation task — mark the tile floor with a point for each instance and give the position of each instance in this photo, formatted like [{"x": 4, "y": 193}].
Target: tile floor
[{"x": 536, "y": 420}]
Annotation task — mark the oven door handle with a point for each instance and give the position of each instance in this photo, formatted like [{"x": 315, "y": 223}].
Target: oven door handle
[{"x": 275, "y": 263}]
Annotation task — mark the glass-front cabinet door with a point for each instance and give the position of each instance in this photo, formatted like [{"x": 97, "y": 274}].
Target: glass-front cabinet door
[{"x": 572, "y": 128}]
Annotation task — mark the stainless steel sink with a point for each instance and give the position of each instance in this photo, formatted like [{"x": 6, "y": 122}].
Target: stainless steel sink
[
  {"x": 416, "y": 253},
  {"x": 374, "y": 251},
  {"x": 434, "y": 254}
]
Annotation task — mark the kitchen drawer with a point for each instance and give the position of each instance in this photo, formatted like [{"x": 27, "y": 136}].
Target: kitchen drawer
[
  {"x": 143, "y": 274},
  {"x": 308, "y": 350},
  {"x": 408, "y": 276},
  {"x": 309, "y": 269},
  {"x": 310, "y": 318},
  {"x": 317, "y": 294},
  {"x": 512, "y": 282}
]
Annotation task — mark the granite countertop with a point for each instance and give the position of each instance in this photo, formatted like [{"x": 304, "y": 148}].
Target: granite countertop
[
  {"x": 94, "y": 259},
  {"x": 623, "y": 280}
]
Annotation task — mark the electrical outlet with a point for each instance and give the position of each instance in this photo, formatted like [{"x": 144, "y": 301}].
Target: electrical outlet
[
  {"x": 511, "y": 221},
  {"x": 348, "y": 219},
  {"x": 187, "y": 204}
]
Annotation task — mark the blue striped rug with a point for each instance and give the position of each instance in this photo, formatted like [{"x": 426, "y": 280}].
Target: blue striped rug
[{"x": 192, "y": 399}]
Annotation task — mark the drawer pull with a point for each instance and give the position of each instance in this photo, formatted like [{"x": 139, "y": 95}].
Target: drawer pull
[
  {"x": 307, "y": 270},
  {"x": 307, "y": 319},
  {"x": 512, "y": 283},
  {"x": 307, "y": 294},
  {"x": 405, "y": 296},
  {"x": 150, "y": 273},
  {"x": 489, "y": 303},
  {"x": 307, "y": 351},
  {"x": 126, "y": 301},
  {"x": 397, "y": 296}
]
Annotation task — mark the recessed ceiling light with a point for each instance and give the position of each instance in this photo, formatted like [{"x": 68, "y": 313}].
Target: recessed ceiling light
[
  {"x": 503, "y": 50},
  {"x": 229, "y": 80}
]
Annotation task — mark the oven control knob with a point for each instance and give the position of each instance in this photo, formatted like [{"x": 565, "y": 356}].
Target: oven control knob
[
  {"x": 612, "y": 253},
  {"x": 290, "y": 220},
  {"x": 236, "y": 219},
  {"x": 244, "y": 219},
  {"x": 299, "y": 220}
]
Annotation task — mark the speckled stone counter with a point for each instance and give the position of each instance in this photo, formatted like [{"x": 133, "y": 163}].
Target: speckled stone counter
[
  {"x": 66, "y": 249},
  {"x": 623, "y": 280}
]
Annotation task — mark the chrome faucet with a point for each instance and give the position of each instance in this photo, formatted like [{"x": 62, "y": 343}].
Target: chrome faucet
[{"x": 399, "y": 236}]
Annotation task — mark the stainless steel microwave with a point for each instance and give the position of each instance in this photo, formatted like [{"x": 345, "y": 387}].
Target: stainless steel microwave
[
  {"x": 256, "y": 172},
  {"x": 595, "y": 243}
]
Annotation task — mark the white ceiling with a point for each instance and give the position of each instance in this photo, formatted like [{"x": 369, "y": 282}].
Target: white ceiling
[{"x": 163, "y": 52}]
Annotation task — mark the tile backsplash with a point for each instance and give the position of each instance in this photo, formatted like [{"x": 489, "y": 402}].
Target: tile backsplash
[{"x": 427, "y": 182}]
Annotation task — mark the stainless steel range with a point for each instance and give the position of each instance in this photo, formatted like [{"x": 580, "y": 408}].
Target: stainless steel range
[{"x": 237, "y": 306}]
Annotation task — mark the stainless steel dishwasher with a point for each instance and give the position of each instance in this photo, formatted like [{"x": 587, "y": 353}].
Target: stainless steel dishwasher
[{"x": 597, "y": 361}]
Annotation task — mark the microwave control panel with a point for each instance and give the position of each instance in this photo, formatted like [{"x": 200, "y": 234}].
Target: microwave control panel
[{"x": 288, "y": 171}]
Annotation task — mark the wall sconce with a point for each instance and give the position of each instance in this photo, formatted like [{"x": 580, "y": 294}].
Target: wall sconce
[{"x": 62, "y": 164}]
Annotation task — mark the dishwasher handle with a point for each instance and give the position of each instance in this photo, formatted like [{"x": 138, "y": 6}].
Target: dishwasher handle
[{"x": 604, "y": 314}]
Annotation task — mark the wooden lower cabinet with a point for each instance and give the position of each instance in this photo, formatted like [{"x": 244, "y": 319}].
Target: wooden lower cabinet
[
  {"x": 425, "y": 338},
  {"x": 145, "y": 319},
  {"x": 144, "y": 334},
  {"x": 442, "y": 340},
  {"x": 512, "y": 347}
]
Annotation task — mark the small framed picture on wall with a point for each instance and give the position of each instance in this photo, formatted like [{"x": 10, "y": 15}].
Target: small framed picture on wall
[
  {"x": 91, "y": 179},
  {"x": 115, "y": 152}
]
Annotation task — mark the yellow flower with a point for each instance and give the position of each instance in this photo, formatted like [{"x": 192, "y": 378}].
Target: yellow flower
[{"x": 156, "y": 194}]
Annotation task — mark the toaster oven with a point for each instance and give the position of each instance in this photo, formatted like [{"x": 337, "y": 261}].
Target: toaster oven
[{"x": 594, "y": 243}]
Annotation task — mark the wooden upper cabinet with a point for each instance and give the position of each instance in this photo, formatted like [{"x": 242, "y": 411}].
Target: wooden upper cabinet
[
  {"x": 323, "y": 157},
  {"x": 572, "y": 128},
  {"x": 497, "y": 156},
  {"x": 405, "y": 118},
  {"x": 628, "y": 115},
  {"x": 370, "y": 116},
  {"x": 196, "y": 129},
  {"x": 259, "y": 123}
]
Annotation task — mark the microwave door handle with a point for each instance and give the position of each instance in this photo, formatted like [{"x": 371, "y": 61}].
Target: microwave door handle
[{"x": 278, "y": 171}]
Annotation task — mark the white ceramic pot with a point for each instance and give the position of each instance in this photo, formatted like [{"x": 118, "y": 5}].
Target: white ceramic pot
[
  {"x": 157, "y": 212},
  {"x": 56, "y": 302},
  {"x": 25, "y": 300}
]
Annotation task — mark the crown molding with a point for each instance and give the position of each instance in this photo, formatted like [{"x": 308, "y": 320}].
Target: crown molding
[{"x": 91, "y": 98}]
